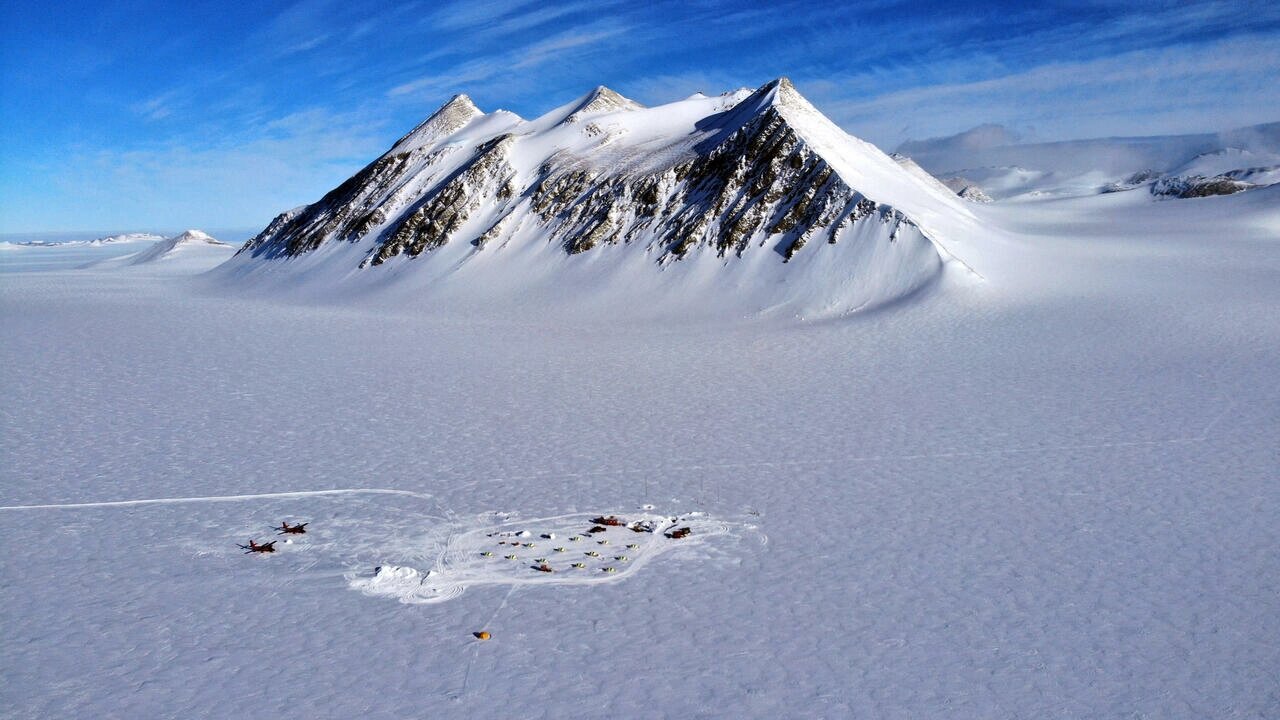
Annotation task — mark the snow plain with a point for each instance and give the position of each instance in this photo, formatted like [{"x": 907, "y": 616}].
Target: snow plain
[{"x": 1050, "y": 493}]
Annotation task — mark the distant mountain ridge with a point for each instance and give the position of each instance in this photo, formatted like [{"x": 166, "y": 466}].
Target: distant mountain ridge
[
  {"x": 119, "y": 238},
  {"x": 993, "y": 159}
]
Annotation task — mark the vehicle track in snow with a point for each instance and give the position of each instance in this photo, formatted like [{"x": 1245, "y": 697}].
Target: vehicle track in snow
[{"x": 221, "y": 498}]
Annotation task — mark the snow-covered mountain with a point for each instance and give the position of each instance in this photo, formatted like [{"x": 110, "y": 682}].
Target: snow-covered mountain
[
  {"x": 126, "y": 238},
  {"x": 185, "y": 243},
  {"x": 759, "y": 184},
  {"x": 992, "y": 160}
]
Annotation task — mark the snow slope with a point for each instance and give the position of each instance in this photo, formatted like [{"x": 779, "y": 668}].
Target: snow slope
[
  {"x": 181, "y": 246},
  {"x": 747, "y": 201}
]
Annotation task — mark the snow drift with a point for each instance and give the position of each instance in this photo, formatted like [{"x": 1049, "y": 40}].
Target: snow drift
[{"x": 747, "y": 200}]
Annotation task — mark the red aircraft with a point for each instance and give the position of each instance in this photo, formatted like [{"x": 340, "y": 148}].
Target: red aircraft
[{"x": 254, "y": 547}]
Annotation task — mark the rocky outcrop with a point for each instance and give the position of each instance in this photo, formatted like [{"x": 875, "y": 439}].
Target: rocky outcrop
[{"x": 1197, "y": 186}]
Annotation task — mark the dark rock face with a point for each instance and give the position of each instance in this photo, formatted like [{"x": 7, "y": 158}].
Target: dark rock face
[
  {"x": 348, "y": 211},
  {"x": 357, "y": 206},
  {"x": 757, "y": 181},
  {"x": 433, "y": 221},
  {"x": 1197, "y": 186},
  {"x": 1141, "y": 176}
]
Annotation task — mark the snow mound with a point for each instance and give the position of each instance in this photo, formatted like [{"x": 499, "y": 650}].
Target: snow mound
[
  {"x": 389, "y": 579},
  {"x": 190, "y": 242}
]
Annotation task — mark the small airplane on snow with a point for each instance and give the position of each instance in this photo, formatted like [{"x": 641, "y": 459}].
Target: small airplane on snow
[
  {"x": 254, "y": 547},
  {"x": 287, "y": 529}
]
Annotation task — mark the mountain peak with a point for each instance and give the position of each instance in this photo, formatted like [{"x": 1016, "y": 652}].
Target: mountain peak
[
  {"x": 449, "y": 118},
  {"x": 600, "y": 99},
  {"x": 459, "y": 102},
  {"x": 195, "y": 236},
  {"x": 778, "y": 93},
  {"x": 781, "y": 92},
  {"x": 188, "y": 241}
]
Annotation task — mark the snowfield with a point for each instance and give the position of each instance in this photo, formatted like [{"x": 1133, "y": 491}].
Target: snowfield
[{"x": 1045, "y": 487}]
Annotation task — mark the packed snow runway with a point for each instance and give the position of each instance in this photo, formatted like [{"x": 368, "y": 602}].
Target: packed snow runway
[{"x": 1049, "y": 494}]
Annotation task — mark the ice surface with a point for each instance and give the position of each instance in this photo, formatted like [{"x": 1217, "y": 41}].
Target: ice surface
[{"x": 1052, "y": 493}]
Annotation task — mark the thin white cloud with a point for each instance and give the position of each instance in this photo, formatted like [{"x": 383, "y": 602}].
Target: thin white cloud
[
  {"x": 523, "y": 58},
  {"x": 541, "y": 52},
  {"x": 290, "y": 160},
  {"x": 470, "y": 15},
  {"x": 1210, "y": 87}
]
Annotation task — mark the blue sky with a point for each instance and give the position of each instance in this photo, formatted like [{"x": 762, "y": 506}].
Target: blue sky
[{"x": 135, "y": 115}]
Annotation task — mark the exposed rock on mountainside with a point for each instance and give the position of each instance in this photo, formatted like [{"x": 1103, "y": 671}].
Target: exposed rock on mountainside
[
  {"x": 966, "y": 189},
  {"x": 1196, "y": 186}
]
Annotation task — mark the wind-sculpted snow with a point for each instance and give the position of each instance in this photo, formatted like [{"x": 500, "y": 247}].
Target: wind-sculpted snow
[{"x": 743, "y": 174}]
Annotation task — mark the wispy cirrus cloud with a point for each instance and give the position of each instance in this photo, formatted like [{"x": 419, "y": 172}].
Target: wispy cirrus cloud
[
  {"x": 220, "y": 182},
  {"x": 159, "y": 106},
  {"x": 658, "y": 89},
  {"x": 559, "y": 47},
  {"x": 1167, "y": 90},
  {"x": 466, "y": 16}
]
